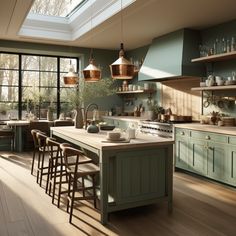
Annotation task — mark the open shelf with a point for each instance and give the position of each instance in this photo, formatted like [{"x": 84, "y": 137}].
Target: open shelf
[
  {"x": 224, "y": 87},
  {"x": 218, "y": 57},
  {"x": 137, "y": 91}
]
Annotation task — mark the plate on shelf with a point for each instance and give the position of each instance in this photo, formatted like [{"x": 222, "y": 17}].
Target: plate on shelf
[{"x": 230, "y": 82}]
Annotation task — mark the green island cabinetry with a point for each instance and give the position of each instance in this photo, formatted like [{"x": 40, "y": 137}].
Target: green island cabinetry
[{"x": 206, "y": 153}]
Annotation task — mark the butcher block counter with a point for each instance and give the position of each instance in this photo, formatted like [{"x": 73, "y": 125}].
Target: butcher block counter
[{"x": 132, "y": 174}]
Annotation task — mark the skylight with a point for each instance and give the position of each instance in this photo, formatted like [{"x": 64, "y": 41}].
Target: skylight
[
  {"x": 68, "y": 20},
  {"x": 63, "y": 8}
]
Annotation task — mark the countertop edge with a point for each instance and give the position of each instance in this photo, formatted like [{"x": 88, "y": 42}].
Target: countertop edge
[{"x": 227, "y": 130}]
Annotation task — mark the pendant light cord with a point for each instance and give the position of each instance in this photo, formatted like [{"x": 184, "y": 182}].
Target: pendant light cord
[
  {"x": 121, "y": 21},
  {"x": 91, "y": 21}
]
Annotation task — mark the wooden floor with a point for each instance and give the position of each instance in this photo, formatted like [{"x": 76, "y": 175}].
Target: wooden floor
[{"x": 200, "y": 208}]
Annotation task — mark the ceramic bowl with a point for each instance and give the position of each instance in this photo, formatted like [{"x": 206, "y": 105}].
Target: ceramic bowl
[{"x": 220, "y": 82}]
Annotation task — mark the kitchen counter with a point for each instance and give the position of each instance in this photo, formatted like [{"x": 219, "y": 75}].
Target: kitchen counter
[
  {"x": 228, "y": 130},
  {"x": 131, "y": 174}
]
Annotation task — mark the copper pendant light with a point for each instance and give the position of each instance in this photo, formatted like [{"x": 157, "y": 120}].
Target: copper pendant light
[
  {"x": 92, "y": 73},
  {"x": 71, "y": 78},
  {"x": 122, "y": 68}
]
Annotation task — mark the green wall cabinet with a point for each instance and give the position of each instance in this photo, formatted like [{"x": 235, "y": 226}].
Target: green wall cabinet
[{"x": 208, "y": 154}]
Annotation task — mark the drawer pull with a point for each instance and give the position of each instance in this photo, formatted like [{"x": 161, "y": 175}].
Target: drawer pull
[
  {"x": 182, "y": 133},
  {"x": 208, "y": 137}
]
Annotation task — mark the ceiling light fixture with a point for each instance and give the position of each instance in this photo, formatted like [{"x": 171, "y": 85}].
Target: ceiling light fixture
[
  {"x": 91, "y": 73},
  {"x": 122, "y": 68},
  {"x": 71, "y": 78}
]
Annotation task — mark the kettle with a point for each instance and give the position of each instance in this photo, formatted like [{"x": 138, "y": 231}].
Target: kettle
[{"x": 93, "y": 128}]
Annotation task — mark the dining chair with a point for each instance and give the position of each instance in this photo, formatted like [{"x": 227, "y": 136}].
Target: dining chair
[
  {"x": 74, "y": 174},
  {"x": 8, "y": 133}
]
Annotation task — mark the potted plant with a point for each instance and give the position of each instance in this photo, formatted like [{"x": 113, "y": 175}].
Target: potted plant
[
  {"x": 154, "y": 110},
  {"x": 86, "y": 92}
]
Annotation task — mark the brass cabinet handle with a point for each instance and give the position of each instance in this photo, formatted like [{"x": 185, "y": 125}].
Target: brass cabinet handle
[{"x": 208, "y": 137}]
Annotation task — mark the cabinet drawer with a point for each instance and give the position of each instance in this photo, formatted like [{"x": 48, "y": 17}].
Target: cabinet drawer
[
  {"x": 232, "y": 140},
  {"x": 208, "y": 136},
  {"x": 181, "y": 132}
]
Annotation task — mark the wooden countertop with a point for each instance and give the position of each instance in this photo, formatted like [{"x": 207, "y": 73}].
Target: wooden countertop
[
  {"x": 23, "y": 122},
  {"x": 227, "y": 130},
  {"x": 95, "y": 139}
]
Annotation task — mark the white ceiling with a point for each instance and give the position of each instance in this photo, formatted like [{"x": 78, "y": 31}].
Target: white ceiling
[{"x": 142, "y": 21}]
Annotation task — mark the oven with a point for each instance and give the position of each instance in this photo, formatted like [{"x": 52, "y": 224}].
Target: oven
[{"x": 160, "y": 129}]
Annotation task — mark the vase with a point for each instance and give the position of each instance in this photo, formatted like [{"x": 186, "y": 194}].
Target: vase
[
  {"x": 79, "y": 121},
  {"x": 49, "y": 115}
]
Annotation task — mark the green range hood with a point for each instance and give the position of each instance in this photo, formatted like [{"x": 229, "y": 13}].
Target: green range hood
[{"x": 169, "y": 57}]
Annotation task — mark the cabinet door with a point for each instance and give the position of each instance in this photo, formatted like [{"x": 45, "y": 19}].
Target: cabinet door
[
  {"x": 197, "y": 159},
  {"x": 230, "y": 166},
  {"x": 181, "y": 152},
  {"x": 216, "y": 154}
]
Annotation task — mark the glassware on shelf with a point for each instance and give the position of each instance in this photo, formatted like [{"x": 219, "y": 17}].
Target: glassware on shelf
[
  {"x": 232, "y": 44},
  {"x": 224, "y": 46}
]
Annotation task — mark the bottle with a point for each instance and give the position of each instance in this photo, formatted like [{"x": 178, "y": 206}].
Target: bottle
[
  {"x": 224, "y": 49},
  {"x": 232, "y": 44},
  {"x": 228, "y": 47}
]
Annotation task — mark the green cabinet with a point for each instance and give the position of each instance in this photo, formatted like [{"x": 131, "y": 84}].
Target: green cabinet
[
  {"x": 230, "y": 166},
  {"x": 181, "y": 150},
  {"x": 216, "y": 159},
  {"x": 207, "y": 154},
  {"x": 197, "y": 158}
]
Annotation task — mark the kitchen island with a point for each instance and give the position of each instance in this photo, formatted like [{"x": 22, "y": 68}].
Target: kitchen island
[{"x": 132, "y": 174}]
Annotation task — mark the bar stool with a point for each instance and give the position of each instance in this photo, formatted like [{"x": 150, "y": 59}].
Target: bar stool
[
  {"x": 36, "y": 147},
  {"x": 42, "y": 151},
  {"x": 71, "y": 162},
  {"x": 56, "y": 168},
  {"x": 76, "y": 172}
]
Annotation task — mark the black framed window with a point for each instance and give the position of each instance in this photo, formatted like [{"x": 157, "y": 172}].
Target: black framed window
[
  {"x": 9, "y": 86},
  {"x": 32, "y": 83}
]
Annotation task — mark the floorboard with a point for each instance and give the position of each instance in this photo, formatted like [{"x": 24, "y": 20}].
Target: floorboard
[{"x": 201, "y": 207}]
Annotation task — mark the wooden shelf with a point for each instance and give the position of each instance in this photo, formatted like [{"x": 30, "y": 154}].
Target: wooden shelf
[
  {"x": 218, "y": 57},
  {"x": 137, "y": 91},
  {"x": 225, "y": 87}
]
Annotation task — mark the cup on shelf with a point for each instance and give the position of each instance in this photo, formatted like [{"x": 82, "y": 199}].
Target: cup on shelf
[
  {"x": 146, "y": 86},
  {"x": 130, "y": 87}
]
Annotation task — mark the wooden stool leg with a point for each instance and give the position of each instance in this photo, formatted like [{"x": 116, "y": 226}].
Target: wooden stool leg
[
  {"x": 94, "y": 192},
  {"x": 42, "y": 169},
  {"x": 32, "y": 166},
  {"x": 48, "y": 175},
  {"x": 72, "y": 200},
  {"x": 39, "y": 162}
]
